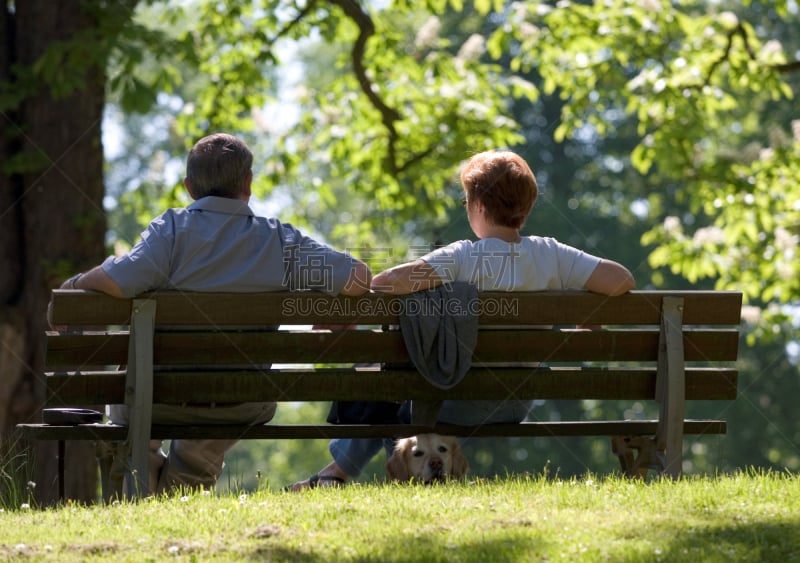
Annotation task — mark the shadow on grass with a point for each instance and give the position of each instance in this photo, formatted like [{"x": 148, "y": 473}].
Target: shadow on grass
[
  {"x": 752, "y": 541},
  {"x": 743, "y": 541},
  {"x": 427, "y": 547}
]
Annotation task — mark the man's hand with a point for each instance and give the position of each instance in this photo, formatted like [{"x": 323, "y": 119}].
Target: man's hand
[
  {"x": 57, "y": 328},
  {"x": 359, "y": 280}
]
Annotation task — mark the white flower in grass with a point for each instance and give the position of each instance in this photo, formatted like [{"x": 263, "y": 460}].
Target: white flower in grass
[
  {"x": 184, "y": 498},
  {"x": 173, "y": 550},
  {"x": 25, "y": 506},
  {"x": 243, "y": 498},
  {"x": 206, "y": 493}
]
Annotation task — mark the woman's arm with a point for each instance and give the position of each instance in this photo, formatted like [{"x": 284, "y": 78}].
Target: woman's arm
[
  {"x": 610, "y": 278},
  {"x": 407, "y": 278}
]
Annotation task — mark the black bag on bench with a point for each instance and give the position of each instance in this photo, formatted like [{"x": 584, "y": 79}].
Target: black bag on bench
[{"x": 71, "y": 417}]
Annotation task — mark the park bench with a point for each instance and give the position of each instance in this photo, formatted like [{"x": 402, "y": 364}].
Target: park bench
[{"x": 664, "y": 346}]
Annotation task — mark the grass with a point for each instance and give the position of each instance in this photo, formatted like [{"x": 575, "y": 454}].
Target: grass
[
  {"x": 16, "y": 487},
  {"x": 742, "y": 517}
]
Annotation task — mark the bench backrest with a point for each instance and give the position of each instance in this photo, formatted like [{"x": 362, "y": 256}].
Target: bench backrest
[{"x": 209, "y": 347}]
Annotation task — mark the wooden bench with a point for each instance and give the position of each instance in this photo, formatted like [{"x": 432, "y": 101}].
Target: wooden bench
[{"x": 664, "y": 346}]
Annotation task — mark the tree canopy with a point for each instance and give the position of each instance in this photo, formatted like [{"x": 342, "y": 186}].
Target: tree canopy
[{"x": 703, "y": 85}]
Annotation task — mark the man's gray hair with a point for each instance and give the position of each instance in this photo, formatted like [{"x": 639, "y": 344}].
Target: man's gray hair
[{"x": 218, "y": 165}]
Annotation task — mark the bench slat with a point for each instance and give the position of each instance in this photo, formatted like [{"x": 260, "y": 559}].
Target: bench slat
[
  {"x": 569, "y": 307},
  {"x": 327, "y": 431},
  {"x": 349, "y": 384},
  {"x": 253, "y": 348}
]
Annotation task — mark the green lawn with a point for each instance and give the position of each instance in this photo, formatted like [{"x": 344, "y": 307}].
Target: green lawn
[{"x": 743, "y": 517}]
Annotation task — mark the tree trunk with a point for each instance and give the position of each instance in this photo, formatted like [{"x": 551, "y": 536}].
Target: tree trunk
[{"x": 52, "y": 222}]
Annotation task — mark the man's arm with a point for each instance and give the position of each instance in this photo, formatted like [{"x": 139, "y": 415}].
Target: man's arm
[
  {"x": 610, "y": 278},
  {"x": 359, "y": 281},
  {"x": 95, "y": 279},
  {"x": 407, "y": 278}
]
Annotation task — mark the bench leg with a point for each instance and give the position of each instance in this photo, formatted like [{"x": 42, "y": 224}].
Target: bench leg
[
  {"x": 62, "y": 454},
  {"x": 638, "y": 455},
  {"x": 671, "y": 386}
]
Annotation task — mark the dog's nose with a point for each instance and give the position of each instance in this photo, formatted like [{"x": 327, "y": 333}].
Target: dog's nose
[{"x": 435, "y": 464}]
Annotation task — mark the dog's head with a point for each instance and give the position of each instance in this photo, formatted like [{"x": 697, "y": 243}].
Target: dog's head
[{"x": 427, "y": 458}]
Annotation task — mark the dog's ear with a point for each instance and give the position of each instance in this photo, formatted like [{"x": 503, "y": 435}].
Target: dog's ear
[
  {"x": 460, "y": 463},
  {"x": 397, "y": 466}
]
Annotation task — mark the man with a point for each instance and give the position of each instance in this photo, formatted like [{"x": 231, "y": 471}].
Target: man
[{"x": 217, "y": 244}]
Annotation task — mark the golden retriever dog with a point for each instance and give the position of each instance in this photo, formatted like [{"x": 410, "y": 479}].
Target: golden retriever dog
[{"x": 427, "y": 458}]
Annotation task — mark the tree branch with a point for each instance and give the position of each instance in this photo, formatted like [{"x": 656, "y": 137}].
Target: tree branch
[
  {"x": 366, "y": 28},
  {"x": 740, "y": 30},
  {"x": 301, "y": 15},
  {"x": 792, "y": 66}
]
